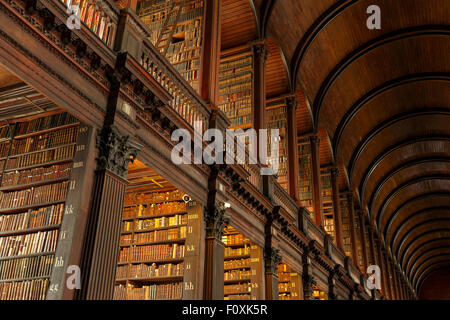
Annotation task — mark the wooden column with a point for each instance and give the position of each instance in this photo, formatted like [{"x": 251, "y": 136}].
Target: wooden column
[
  {"x": 351, "y": 218},
  {"x": 382, "y": 269},
  {"x": 307, "y": 277},
  {"x": 259, "y": 90},
  {"x": 336, "y": 207},
  {"x": 389, "y": 276},
  {"x": 362, "y": 229},
  {"x": 292, "y": 149},
  {"x": 316, "y": 181},
  {"x": 209, "y": 70},
  {"x": 396, "y": 289},
  {"x": 215, "y": 220},
  {"x": 101, "y": 243},
  {"x": 373, "y": 258},
  {"x": 272, "y": 258}
]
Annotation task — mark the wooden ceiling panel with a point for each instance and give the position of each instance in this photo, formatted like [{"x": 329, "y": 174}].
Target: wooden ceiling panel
[
  {"x": 303, "y": 114},
  {"x": 277, "y": 82},
  {"x": 238, "y": 23}
]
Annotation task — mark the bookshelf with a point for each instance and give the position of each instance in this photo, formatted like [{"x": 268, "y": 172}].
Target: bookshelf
[
  {"x": 276, "y": 119},
  {"x": 345, "y": 215},
  {"x": 159, "y": 242},
  {"x": 176, "y": 31},
  {"x": 37, "y": 154},
  {"x": 236, "y": 90},
  {"x": 327, "y": 201},
  {"x": 242, "y": 267},
  {"x": 359, "y": 252},
  {"x": 318, "y": 294},
  {"x": 305, "y": 175},
  {"x": 289, "y": 283}
]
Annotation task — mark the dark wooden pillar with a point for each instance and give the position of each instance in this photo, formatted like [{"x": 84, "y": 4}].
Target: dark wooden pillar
[
  {"x": 395, "y": 278},
  {"x": 382, "y": 269},
  {"x": 336, "y": 207},
  {"x": 317, "y": 188},
  {"x": 259, "y": 88},
  {"x": 272, "y": 258},
  {"x": 292, "y": 149},
  {"x": 101, "y": 244},
  {"x": 351, "y": 218},
  {"x": 215, "y": 220},
  {"x": 389, "y": 276},
  {"x": 307, "y": 277},
  {"x": 362, "y": 229},
  {"x": 209, "y": 70},
  {"x": 373, "y": 258}
]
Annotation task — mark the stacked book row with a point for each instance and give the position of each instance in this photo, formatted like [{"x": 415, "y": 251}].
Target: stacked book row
[
  {"x": 32, "y": 196},
  {"x": 40, "y": 266},
  {"x": 28, "y": 244},
  {"x": 153, "y": 252},
  {"x": 42, "y": 217}
]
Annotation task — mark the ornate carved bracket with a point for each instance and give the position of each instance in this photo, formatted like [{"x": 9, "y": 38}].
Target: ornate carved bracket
[
  {"x": 216, "y": 219},
  {"x": 272, "y": 258},
  {"x": 308, "y": 282},
  {"x": 115, "y": 151}
]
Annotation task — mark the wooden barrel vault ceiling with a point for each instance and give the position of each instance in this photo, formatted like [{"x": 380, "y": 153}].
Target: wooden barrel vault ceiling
[{"x": 380, "y": 101}]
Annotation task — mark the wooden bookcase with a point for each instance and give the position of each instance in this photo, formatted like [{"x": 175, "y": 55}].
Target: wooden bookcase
[
  {"x": 176, "y": 31},
  {"x": 327, "y": 202},
  {"x": 37, "y": 183},
  {"x": 242, "y": 267},
  {"x": 345, "y": 216},
  {"x": 359, "y": 252},
  {"x": 276, "y": 119},
  {"x": 305, "y": 175},
  {"x": 289, "y": 283},
  {"x": 158, "y": 245},
  {"x": 319, "y": 294},
  {"x": 236, "y": 90}
]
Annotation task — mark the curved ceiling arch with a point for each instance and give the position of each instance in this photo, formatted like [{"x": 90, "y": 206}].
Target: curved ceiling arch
[
  {"x": 431, "y": 245},
  {"x": 423, "y": 213},
  {"x": 397, "y": 35},
  {"x": 427, "y": 272},
  {"x": 365, "y": 141},
  {"x": 443, "y": 223},
  {"x": 398, "y": 170},
  {"x": 374, "y": 93},
  {"x": 402, "y": 253},
  {"x": 425, "y": 256},
  {"x": 396, "y": 147},
  {"x": 439, "y": 259},
  {"x": 403, "y": 186}
]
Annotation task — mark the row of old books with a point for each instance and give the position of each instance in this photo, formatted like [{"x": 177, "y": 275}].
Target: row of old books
[
  {"x": 45, "y": 141},
  {"x": 24, "y": 290},
  {"x": 231, "y": 252},
  {"x": 5, "y": 147},
  {"x": 234, "y": 239},
  {"x": 44, "y": 123},
  {"x": 241, "y": 288},
  {"x": 5, "y": 131},
  {"x": 42, "y": 217},
  {"x": 38, "y": 158},
  {"x": 151, "y": 209},
  {"x": 34, "y": 195},
  {"x": 153, "y": 236},
  {"x": 152, "y": 292},
  {"x": 39, "y": 266},
  {"x": 238, "y": 263},
  {"x": 143, "y": 271},
  {"x": 146, "y": 224},
  {"x": 29, "y": 243},
  {"x": 36, "y": 174},
  {"x": 152, "y": 252},
  {"x": 136, "y": 198},
  {"x": 237, "y": 275}
]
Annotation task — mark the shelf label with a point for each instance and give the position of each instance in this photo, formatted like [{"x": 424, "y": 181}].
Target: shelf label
[
  {"x": 72, "y": 185},
  {"x": 188, "y": 286},
  {"x": 78, "y": 164},
  {"x": 254, "y": 260},
  {"x": 190, "y": 248},
  {"x": 59, "y": 262},
  {"x": 62, "y": 235},
  {"x": 69, "y": 209},
  {"x": 83, "y": 130},
  {"x": 54, "y": 288},
  {"x": 80, "y": 147},
  {"x": 192, "y": 216}
]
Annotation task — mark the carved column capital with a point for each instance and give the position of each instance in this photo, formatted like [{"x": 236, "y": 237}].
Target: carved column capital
[
  {"x": 115, "y": 151},
  {"x": 334, "y": 172},
  {"x": 260, "y": 51},
  {"x": 272, "y": 259},
  {"x": 215, "y": 220},
  {"x": 308, "y": 282},
  {"x": 314, "y": 139},
  {"x": 291, "y": 103}
]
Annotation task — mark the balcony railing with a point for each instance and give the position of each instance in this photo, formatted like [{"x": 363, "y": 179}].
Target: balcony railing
[{"x": 101, "y": 17}]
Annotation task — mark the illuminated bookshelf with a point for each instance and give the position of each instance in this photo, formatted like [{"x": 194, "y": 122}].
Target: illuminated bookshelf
[
  {"x": 289, "y": 283},
  {"x": 305, "y": 175},
  {"x": 276, "y": 119}
]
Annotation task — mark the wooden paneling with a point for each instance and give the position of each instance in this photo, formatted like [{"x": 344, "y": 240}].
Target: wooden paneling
[
  {"x": 238, "y": 23},
  {"x": 277, "y": 82}
]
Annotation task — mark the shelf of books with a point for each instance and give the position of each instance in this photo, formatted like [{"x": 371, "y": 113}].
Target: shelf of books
[
  {"x": 242, "y": 267},
  {"x": 359, "y": 252},
  {"x": 305, "y": 175},
  {"x": 158, "y": 244},
  {"x": 318, "y": 294},
  {"x": 236, "y": 90},
  {"x": 276, "y": 119},
  {"x": 327, "y": 202},
  {"x": 37, "y": 155},
  {"x": 176, "y": 30},
  {"x": 289, "y": 283},
  {"x": 345, "y": 216}
]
